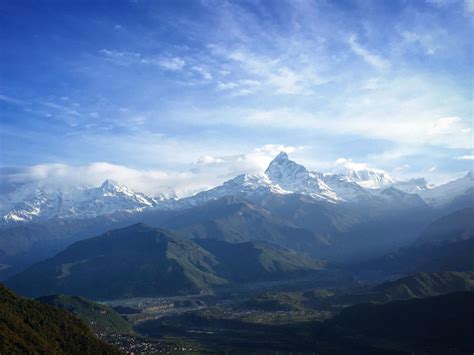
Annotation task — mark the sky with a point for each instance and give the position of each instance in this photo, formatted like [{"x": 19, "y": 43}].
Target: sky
[{"x": 182, "y": 95}]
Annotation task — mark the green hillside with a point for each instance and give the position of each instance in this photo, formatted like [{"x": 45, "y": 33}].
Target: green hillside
[
  {"x": 30, "y": 327},
  {"x": 100, "y": 318},
  {"x": 425, "y": 285},
  {"x": 140, "y": 261}
]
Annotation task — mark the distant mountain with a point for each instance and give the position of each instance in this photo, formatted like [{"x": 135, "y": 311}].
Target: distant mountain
[
  {"x": 441, "y": 324},
  {"x": 22, "y": 244},
  {"x": 37, "y": 202},
  {"x": 143, "y": 261},
  {"x": 31, "y": 327},
  {"x": 293, "y": 221},
  {"x": 284, "y": 176},
  {"x": 445, "y": 194},
  {"x": 455, "y": 256},
  {"x": 328, "y": 216},
  {"x": 445, "y": 245},
  {"x": 412, "y": 186},
  {"x": 301, "y": 223},
  {"x": 100, "y": 318},
  {"x": 424, "y": 285},
  {"x": 454, "y": 227},
  {"x": 367, "y": 177},
  {"x": 232, "y": 220}
]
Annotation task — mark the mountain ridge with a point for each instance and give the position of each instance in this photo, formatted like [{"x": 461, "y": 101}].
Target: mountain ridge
[
  {"x": 142, "y": 261},
  {"x": 44, "y": 201}
]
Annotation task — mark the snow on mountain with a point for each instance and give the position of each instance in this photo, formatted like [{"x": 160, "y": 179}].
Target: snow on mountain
[
  {"x": 283, "y": 176},
  {"x": 412, "y": 186},
  {"x": 36, "y": 201},
  {"x": 293, "y": 177},
  {"x": 356, "y": 183},
  {"x": 364, "y": 176},
  {"x": 443, "y": 194}
]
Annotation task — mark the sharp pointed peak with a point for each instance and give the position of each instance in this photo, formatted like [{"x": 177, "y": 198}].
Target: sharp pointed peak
[
  {"x": 280, "y": 159},
  {"x": 281, "y": 156},
  {"x": 281, "y": 166},
  {"x": 109, "y": 183}
]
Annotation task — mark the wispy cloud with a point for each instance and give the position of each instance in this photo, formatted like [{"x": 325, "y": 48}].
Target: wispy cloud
[
  {"x": 222, "y": 77},
  {"x": 371, "y": 58}
]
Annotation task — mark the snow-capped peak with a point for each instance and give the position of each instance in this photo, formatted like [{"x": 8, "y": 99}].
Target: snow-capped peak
[
  {"x": 33, "y": 202},
  {"x": 284, "y": 171},
  {"x": 363, "y": 175},
  {"x": 446, "y": 193},
  {"x": 356, "y": 182},
  {"x": 109, "y": 184},
  {"x": 412, "y": 186}
]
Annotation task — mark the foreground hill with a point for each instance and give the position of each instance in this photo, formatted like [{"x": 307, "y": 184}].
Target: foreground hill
[
  {"x": 434, "y": 324},
  {"x": 100, "y": 318},
  {"x": 30, "y": 327},
  {"x": 144, "y": 261}
]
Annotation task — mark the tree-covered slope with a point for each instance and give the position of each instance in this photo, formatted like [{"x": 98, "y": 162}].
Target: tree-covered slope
[
  {"x": 426, "y": 284},
  {"x": 30, "y": 327},
  {"x": 257, "y": 261},
  {"x": 99, "y": 317},
  {"x": 144, "y": 261},
  {"x": 433, "y": 325}
]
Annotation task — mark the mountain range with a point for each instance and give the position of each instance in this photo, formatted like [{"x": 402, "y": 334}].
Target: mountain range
[
  {"x": 44, "y": 201},
  {"x": 355, "y": 214},
  {"x": 447, "y": 244}
]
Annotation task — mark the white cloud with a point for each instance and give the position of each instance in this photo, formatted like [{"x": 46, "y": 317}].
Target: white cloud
[
  {"x": 371, "y": 58},
  {"x": 286, "y": 82},
  {"x": 206, "y": 172},
  {"x": 349, "y": 164},
  {"x": 126, "y": 58},
  {"x": 121, "y": 57},
  {"x": 12, "y": 100},
  {"x": 173, "y": 64},
  {"x": 227, "y": 86},
  {"x": 425, "y": 41},
  {"x": 205, "y": 73},
  {"x": 269, "y": 72},
  {"x": 444, "y": 125},
  {"x": 466, "y": 157}
]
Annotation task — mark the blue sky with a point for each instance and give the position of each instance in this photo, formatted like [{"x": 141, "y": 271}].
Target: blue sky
[{"x": 185, "y": 94}]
